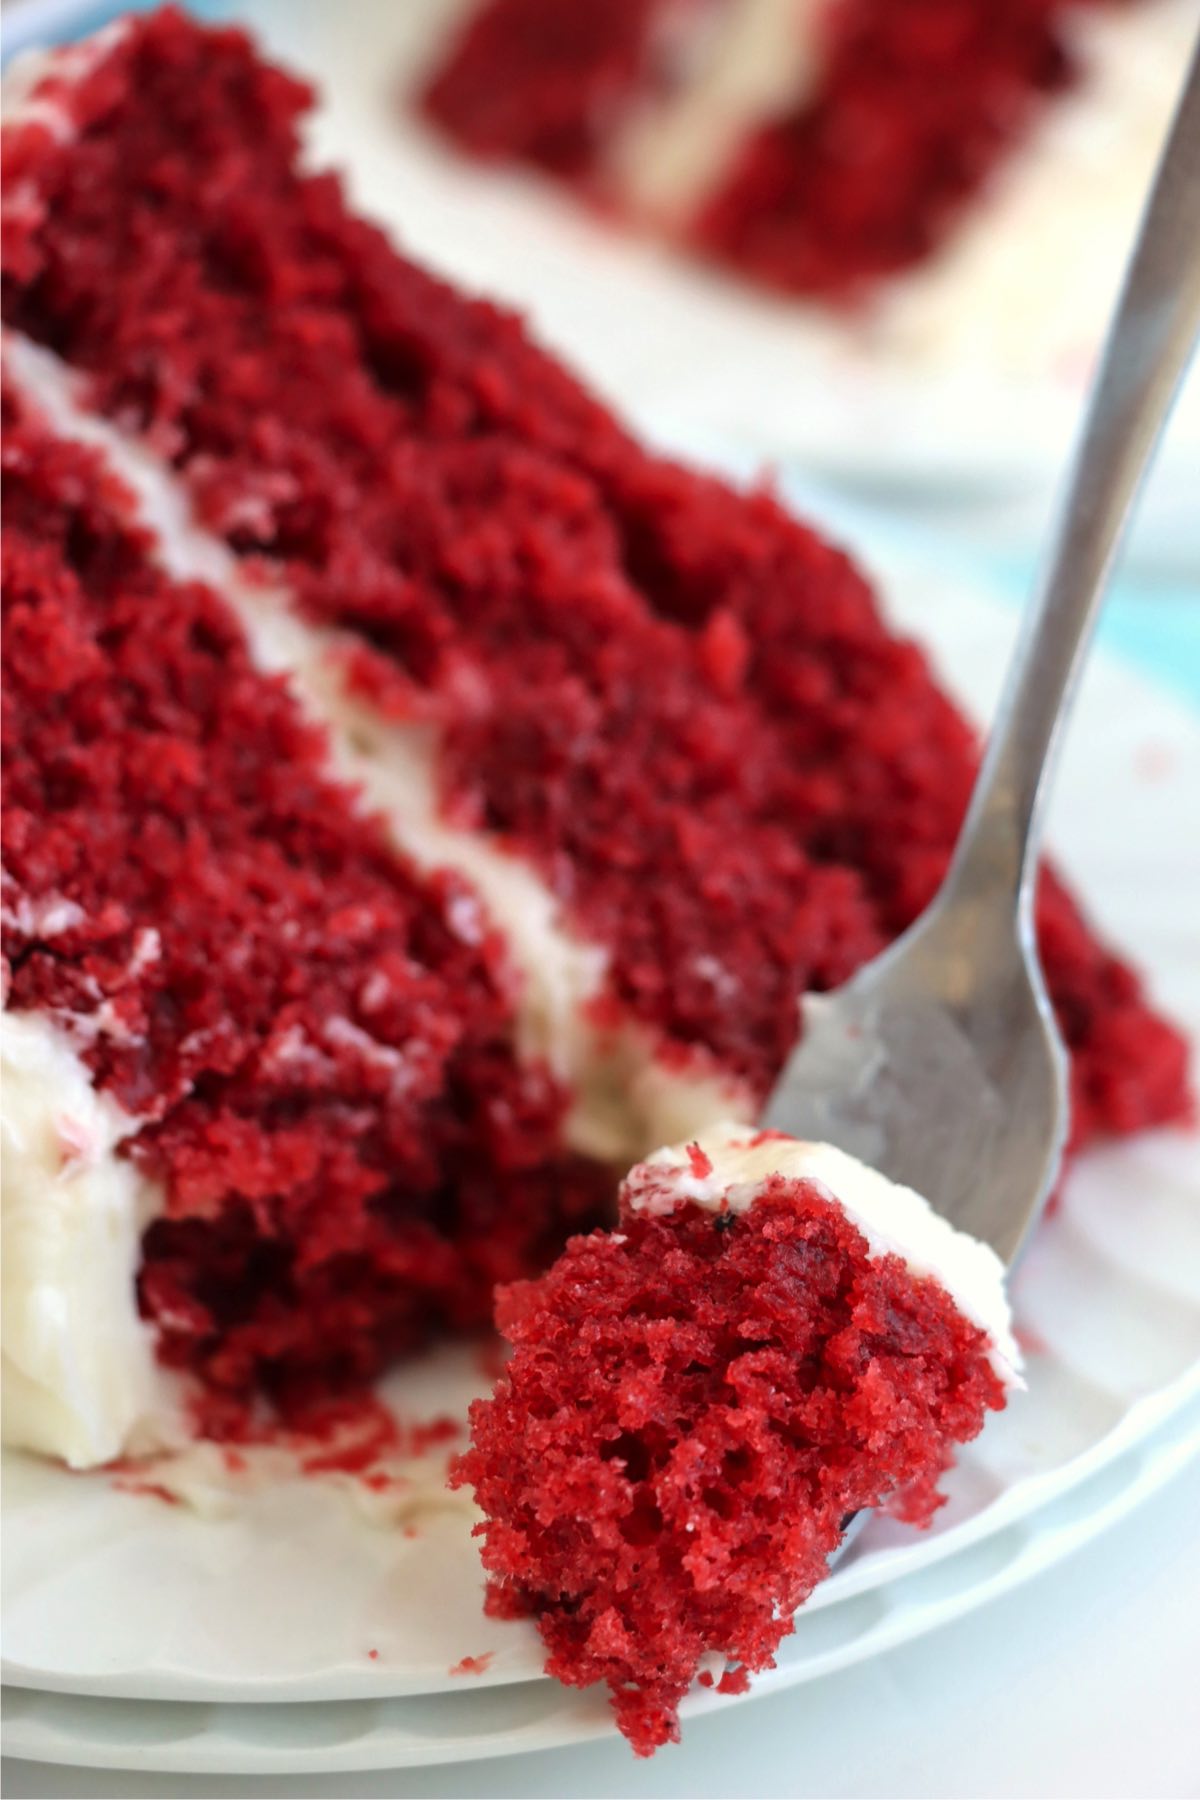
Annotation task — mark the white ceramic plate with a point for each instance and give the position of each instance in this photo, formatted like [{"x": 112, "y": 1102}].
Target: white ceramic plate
[
  {"x": 408, "y": 1733},
  {"x": 108, "y": 1593}
]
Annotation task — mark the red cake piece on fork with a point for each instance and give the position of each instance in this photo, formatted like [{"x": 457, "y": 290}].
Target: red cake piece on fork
[{"x": 774, "y": 1338}]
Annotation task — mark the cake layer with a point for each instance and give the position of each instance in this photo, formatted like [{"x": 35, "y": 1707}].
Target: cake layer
[
  {"x": 918, "y": 103},
  {"x": 697, "y": 1402},
  {"x": 309, "y": 1049},
  {"x": 679, "y": 706}
]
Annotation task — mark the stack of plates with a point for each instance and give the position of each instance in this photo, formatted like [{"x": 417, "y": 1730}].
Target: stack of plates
[
  {"x": 174, "y": 1712},
  {"x": 296, "y": 1634},
  {"x": 869, "y": 1607}
]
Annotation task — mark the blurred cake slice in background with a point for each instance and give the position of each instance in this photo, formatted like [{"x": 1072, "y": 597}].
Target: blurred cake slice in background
[{"x": 956, "y": 175}]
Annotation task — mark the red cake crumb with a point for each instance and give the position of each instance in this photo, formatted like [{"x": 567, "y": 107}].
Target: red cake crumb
[
  {"x": 355, "y": 1434},
  {"x": 698, "y": 1161},
  {"x": 377, "y": 1481},
  {"x": 358, "y": 1454},
  {"x": 694, "y": 1407},
  {"x": 473, "y": 1665},
  {"x": 152, "y": 1490}
]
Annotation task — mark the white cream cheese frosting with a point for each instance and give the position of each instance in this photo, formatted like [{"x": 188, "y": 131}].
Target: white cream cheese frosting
[
  {"x": 895, "y": 1220},
  {"x": 80, "y": 1378},
  {"x": 744, "y": 63}
]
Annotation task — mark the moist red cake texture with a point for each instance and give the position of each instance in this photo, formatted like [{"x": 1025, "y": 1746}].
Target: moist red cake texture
[
  {"x": 679, "y": 705},
  {"x": 693, "y": 1408},
  {"x": 537, "y": 81},
  {"x": 323, "y": 1060},
  {"x": 915, "y": 106}
]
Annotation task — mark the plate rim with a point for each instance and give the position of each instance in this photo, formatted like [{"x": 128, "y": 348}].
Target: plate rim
[
  {"x": 1143, "y": 1418},
  {"x": 584, "y": 1714}
]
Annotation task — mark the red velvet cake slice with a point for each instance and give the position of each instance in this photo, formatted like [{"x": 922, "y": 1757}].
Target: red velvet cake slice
[
  {"x": 774, "y": 1338},
  {"x": 421, "y": 799}
]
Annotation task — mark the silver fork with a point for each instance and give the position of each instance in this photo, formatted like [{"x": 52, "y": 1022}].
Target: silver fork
[{"x": 940, "y": 1063}]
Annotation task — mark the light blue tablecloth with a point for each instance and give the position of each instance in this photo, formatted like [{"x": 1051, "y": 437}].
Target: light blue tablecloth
[
  {"x": 1154, "y": 626},
  {"x": 1151, "y": 620}
]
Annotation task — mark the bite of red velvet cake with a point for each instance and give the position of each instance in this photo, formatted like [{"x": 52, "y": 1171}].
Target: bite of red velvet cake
[
  {"x": 773, "y": 1338},
  {"x": 421, "y": 800}
]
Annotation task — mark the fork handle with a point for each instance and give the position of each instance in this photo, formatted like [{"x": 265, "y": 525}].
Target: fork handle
[{"x": 1149, "y": 343}]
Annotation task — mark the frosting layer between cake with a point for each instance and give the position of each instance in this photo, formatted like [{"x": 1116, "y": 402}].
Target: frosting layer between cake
[
  {"x": 728, "y": 1166},
  {"x": 80, "y": 1380}
]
